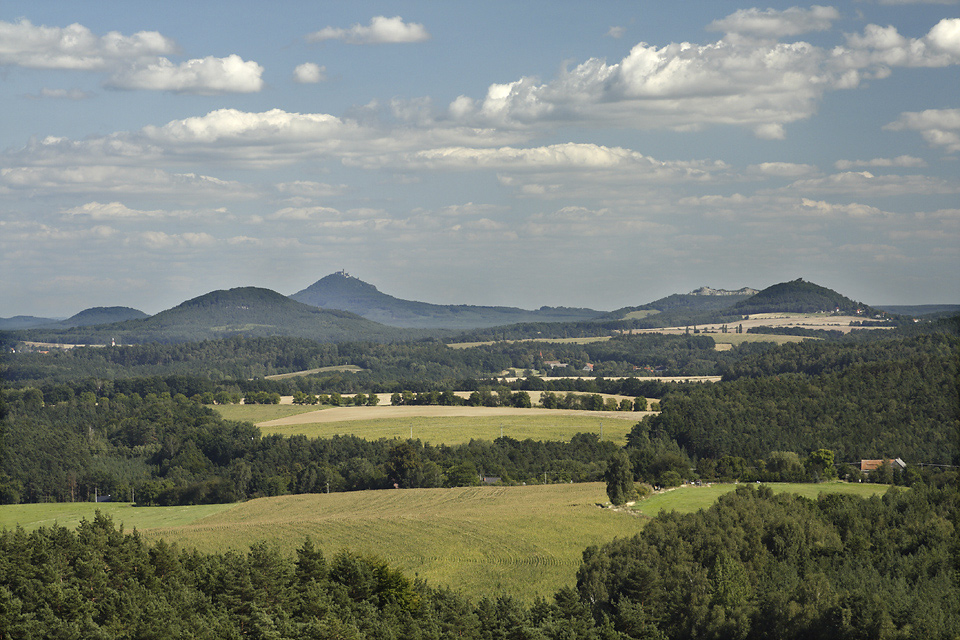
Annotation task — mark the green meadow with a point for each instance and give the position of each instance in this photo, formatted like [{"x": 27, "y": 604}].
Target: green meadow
[
  {"x": 689, "y": 498},
  {"x": 261, "y": 412},
  {"x": 522, "y": 541},
  {"x": 461, "y": 429}
]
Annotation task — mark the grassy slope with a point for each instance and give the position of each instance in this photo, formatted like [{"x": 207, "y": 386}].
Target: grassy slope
[
  {"x": 69, "y": 514},
  {"x": 483, "y": 540},
  {"x": 687, "y": 498}
]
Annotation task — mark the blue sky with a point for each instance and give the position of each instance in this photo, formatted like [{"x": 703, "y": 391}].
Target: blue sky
[{"x": 598, "y": 154}]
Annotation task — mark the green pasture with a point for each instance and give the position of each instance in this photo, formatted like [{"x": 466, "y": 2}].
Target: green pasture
[
  {"x": 488, "y": 540},
  {"x": 522, "y": 541},
  {"x": 262, "y": 412},
  {"x": 689, "y": 498},
  {"x": 69, "y": 514},
  {"x": 462, "y": 429}
]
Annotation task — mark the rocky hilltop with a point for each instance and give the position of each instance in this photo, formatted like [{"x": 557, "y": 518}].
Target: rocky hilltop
[{"x": 707, "y": 291}]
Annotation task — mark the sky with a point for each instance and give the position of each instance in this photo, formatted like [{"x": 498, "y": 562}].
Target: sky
[{"x": 602, "y": 154}]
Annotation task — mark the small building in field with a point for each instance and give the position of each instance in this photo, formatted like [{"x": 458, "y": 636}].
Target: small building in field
[{"x": 896, "y": 464}]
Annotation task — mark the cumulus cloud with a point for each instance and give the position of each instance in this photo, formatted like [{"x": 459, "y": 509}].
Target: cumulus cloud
[
  {"x": 309, "y": 73},
  {"x": 133, "y": 62},
  {"x": 203, "y": 76},
  {"x": 939, "y": 127},
  {"x": 758, "y": 83},
  {"x": 878, "y": 48},
  {"x": 381, "y": 30},
  {"x": 75, "y": 47},
  {"x": 680, "y": 86},
  {"x": 771, "y": 23}
]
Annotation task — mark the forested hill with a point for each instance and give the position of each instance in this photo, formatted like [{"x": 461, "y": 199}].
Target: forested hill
[
  {"x": 347, "y": 293},
  {"x": 102, "y": 315},
  {"x": 798, "y": 296},
  {"x": 247, "y": 311}
]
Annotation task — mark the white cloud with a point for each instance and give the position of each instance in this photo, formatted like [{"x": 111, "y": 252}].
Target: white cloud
[
  {"x": 161, "y": 241},
  {"x": 866, "y": 184},
  {"x": 757, "y": 83},
  {"x": 381, "y": 30},
  {"x": 111, "y": 211},
  {"x": 679, "y": 86},
  {"x": 899, "y": 161},
  {"x": 854, "y": 210},
  {"x": 133, "y": 62},
  {"x": 771, "y": 23},
  {"x": 939, "y": 127},
  {"x": 75, "y": 47},
  {"x": 615, "y": 32},
  {"x": 309, "y": 73},
  {"x": 782, "y": 169},
  {"x": 880, "y": 47},
  {"x": 98, "y": 178},
  {"x": 203, "y": 76},
  {"x": 568, "y": 157}
]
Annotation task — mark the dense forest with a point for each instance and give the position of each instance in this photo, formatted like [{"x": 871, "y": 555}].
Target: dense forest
[
  {"x": 154, "y": 439},
  {"x": 753, "y": 566},
  {"x": 401, "y": 365},
  {"x": 882, "y": 399}
]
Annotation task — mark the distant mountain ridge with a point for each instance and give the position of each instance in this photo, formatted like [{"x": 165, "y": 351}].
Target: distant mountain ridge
[
  {"x": 102, "y": 315},
  {"x": 345, "y": 292},
  {"x": 247, "y": 311},
  {"x": 257, "y": 312},
  {"x": 86, "y": 318}
]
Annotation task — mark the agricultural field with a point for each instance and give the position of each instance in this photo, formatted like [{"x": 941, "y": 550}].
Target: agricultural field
[
  {"x": 260, "y": 412},
  {"x": 433, "y": 423},
  {"x": 69, "y": 514},
  {"x": 689, "y": 498},
  {"x": 481, "y": 424},
  {"x": 522, "y": 541}
]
